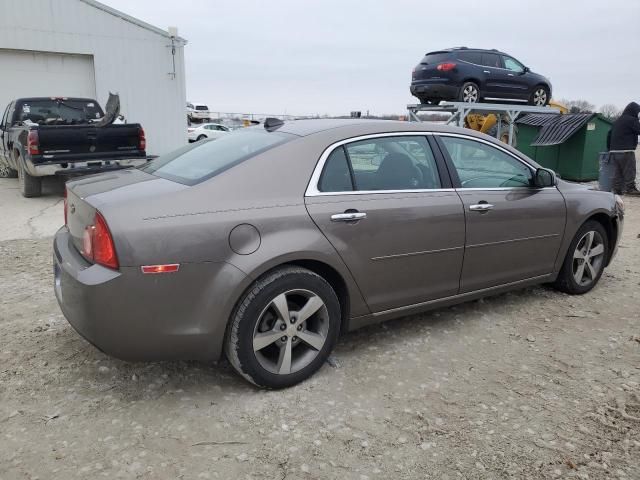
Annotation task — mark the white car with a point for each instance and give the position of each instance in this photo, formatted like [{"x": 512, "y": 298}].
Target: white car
[
  {"x": 198, "y": 111},
  {"x": 206, "y": 130}
]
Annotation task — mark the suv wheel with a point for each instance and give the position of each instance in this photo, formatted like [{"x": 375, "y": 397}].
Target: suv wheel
[
  {"x": 283, "y": 328},
  {"x": 585, "y": 260},
  {"x": 539, "y": 97},
  {"x": 469, "y": 93}
]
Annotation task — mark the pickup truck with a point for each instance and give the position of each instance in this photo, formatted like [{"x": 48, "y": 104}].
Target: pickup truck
[{"x": 44, "y": 136}]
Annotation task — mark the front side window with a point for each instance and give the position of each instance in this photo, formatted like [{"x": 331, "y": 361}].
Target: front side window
[
  {"x": 197, "y": 162},
  {"x": 482, "y": 166},
  {"x": 512, "y": 64},
  {"x": 385, "y": 163}
]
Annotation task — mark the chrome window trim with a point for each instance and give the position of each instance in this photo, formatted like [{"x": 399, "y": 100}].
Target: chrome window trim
[{"x": 312, "y": 187}]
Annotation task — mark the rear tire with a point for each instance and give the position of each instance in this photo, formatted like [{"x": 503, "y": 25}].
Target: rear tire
[
  {"x": 201, "y": 137},
  {"x": 29, "y": 186},
  {"x": 469, "y": 93},
  {"x": 585, "y": 260},
  {"x": 264, "y": 347}
]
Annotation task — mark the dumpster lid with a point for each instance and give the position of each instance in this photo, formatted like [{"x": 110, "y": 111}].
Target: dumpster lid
[{"x": 556, "y": 129}]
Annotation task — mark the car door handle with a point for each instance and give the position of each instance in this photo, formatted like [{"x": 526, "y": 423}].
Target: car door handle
[
  {"x": 510, "y": 74},
  {"x": 486, "y": 71},
  {"x": 481, "y": 207},
  {"x": 348, "y": 217}
]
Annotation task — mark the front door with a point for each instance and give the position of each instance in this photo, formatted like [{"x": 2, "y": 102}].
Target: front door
[
  {"x": 396, "y": 224},
  {"x": 514, "y": 230},
  {"x": 512, "y": 79}
]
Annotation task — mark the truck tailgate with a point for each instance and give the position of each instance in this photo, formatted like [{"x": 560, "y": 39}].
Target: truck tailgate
[{"x": 81, "y": 142}]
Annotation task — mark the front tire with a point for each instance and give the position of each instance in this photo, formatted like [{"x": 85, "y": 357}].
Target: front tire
[
  {"x": 283, "y": 328},
  {"x": 29, "y": 186},
  {"x": 539, "y": 97},
  {"x": 469, "y": 93},
  {"x": 585, "y": 260}
]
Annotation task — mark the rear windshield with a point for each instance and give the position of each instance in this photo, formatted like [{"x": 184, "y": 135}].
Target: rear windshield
[
  {"x": 202, "y": 107},
  {"x": 58, "y": 111},
  {"x": 435, "y": 57},
  {"x": 195, "y": 163}
]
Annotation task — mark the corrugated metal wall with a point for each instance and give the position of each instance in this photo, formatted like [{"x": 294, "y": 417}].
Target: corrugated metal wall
[{"x": 128, "y": 59}]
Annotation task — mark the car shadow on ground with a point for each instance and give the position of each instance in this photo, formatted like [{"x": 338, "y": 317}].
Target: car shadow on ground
[{"x": 136, "y": 381}]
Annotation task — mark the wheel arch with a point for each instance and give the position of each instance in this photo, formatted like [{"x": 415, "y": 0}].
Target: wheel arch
[
  {"x": 321, "y": 268},
  {"x": 609, "y": 226}
]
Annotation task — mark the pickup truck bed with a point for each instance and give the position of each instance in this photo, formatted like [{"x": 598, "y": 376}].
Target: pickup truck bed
[{"x": 62, "y": 136}]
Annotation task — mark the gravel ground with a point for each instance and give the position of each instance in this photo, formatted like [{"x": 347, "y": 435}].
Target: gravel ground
[{"x": 531, "y": 384}]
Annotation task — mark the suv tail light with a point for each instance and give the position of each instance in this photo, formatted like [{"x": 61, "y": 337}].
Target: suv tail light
[
  {"x": 97, "y": 243},
  {"x": 142, "y": 140},
  {"x": 33, "y": 142},
  {"x": 445, "y": 67}
]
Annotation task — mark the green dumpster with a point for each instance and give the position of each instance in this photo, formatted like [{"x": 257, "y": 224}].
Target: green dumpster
[{"x": 569, "y": 144}]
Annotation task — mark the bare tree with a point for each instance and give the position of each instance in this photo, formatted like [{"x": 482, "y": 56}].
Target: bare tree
[
  {"x": 578, "y": 106},
  {"x": 610, "y": 111}
]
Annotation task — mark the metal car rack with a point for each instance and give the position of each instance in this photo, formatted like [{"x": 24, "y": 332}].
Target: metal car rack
[{"x": 460, "y": 110}]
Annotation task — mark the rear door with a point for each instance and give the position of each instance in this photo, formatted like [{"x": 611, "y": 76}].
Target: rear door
[
  {"x": 391, "y": 214},
  {"x": 513, "y": 230},
  {"x": 491, "y": 65}
]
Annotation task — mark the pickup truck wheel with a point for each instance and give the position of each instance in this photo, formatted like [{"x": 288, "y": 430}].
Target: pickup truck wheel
[
  {"x": 29, "y": 186},
  {"x": 6, "y": 171}
]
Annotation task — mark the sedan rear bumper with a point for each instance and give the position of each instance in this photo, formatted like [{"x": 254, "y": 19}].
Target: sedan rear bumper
[{"x": 133, "y": 316}]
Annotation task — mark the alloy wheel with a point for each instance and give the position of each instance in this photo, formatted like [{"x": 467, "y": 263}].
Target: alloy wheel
[
  {"x": 540, "y": 97},
  {"x": 470, "y": 94},
  {"x": 588, "y": 258},
  {"x": 291, "y": 331}
]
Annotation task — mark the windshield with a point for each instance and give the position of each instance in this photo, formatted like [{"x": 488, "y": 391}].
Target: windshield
[
  {"x": 58, "y": 111},
  {"x": 193, "y": 164}
]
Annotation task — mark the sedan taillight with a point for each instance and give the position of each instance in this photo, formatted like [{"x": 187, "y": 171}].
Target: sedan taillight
[
  {"x": 445, "y": 67},
  {"x": 97, "y": 243}
]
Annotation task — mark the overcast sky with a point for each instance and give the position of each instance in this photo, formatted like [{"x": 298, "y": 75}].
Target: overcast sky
[{"x": 334, "y": 56}]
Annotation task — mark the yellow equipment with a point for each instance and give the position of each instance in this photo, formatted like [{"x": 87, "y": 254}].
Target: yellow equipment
[{"x": 484, "y": 123}]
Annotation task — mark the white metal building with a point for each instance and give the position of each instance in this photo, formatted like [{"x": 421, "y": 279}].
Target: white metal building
[{"x": 83, "y": 48}]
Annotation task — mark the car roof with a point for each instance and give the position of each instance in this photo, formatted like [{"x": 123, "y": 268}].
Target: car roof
[
  {"x": 38, "y": 99},
  {"x": 362, "y": 126},
  {"x": 467, "y": 49}
]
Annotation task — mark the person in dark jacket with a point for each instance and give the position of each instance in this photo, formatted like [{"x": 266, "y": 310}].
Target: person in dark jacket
[{"x": 622, "y": 142}]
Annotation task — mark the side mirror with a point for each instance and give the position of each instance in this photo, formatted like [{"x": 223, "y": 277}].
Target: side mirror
[
  {"x": 544, "y": 178},
  {"x": 526, "y": 69}
]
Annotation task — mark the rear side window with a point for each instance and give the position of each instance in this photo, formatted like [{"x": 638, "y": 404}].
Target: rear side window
[
  {"x": 336, "y": 176},
  {"x": 491, "y": 60},
  {"x": 471, "y": 57},
  {"x": 385, "y": 163},
  {"x": 195, "y": 163},
  {"x": 435, "y": 57}
]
